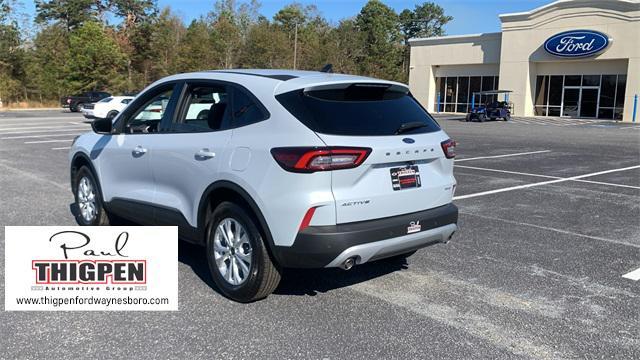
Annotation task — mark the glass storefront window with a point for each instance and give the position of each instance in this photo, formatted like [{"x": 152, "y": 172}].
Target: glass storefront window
[
  {"x": 450, "y": 91},
  {"x": 474, "y": 86},
  {"x": 572, "y": 80},
  {"x": 617, "y": 114},
  {"x": 553, "y": 111},
  {"x": 542, "y": 84},
  {"x": 608, "y": 91},
  {"x": 456, "y": 92},
  {"x": 592, "y": 96},
  {"x": 555, "y": 90},
  {"x": 591, "y": 80},
  {"x": 604, "y": 113},
  {"x": 463, "y": 90},
  {"x": 622, "y": 84},
  {"x": 487, "y": 83}
]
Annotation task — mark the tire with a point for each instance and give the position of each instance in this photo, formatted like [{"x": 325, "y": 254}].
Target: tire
[
  {"x": 79, "y": 107},
  {"x": 482, "y": 117},
  {"x": 507, "y": 117},
  {"x": 112, "y": 114},
  {"x": 83, "y": 200},
  {"x": 252, "y": 280},
  {"x": 73, "y": 108}
]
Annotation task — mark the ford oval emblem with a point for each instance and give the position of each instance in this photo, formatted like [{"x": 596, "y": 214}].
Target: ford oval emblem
[
  {"x": 408, "y": 140},
  {"x": 576, "y": 43}
]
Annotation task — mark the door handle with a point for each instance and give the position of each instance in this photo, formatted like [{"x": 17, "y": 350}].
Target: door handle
[
  {"x": 138, "y": 151},
  {"x": 205, "y": 154}
]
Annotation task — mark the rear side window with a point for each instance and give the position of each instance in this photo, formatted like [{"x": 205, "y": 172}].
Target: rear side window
[
  {"x": 206, "y": 109},
  {"x": 245, "y": 110},
  {"x": 358, "y": 110}
]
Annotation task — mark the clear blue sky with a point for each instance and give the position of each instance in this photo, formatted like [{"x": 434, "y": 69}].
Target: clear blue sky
[{"x": 469, "y": 16}]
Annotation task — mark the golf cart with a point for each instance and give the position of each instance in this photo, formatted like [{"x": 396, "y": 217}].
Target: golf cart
[{"x": 492, "y": 109}]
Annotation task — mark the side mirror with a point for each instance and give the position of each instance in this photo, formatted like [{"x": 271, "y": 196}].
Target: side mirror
[{"x": 101, "y": 126}]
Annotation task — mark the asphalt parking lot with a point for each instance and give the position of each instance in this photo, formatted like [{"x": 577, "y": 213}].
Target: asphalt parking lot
[{"x": 549, "y": 228}]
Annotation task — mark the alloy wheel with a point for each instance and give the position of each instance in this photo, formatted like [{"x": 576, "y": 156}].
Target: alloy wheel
[
  {"x": 87, "y": 199},
  {"x": 232, "y": 251}
]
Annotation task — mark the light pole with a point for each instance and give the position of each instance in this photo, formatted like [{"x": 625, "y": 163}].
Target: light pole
[{"x": 295, "y": 48}]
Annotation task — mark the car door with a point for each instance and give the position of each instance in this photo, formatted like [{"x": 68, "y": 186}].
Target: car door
[
  {"x": 127, "y": 179},
  {"x": 191, "y": 149}
]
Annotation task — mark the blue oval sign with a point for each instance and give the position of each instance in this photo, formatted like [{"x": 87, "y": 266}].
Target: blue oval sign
[
  {"x": 576, "y": 43},
  {"x": 408, "y": 140}
]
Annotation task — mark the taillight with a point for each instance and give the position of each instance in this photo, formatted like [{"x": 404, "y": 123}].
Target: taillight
[
  {"x": 68, "y": 101},
  {"x": 312, "y": 159},
  {"x": 449, "y": 148}
]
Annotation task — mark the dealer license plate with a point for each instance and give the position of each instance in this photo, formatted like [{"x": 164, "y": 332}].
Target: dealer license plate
[{"x": 405, "y": 177}]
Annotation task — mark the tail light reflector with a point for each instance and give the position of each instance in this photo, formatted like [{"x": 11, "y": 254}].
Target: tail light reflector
[
  {"x": 312, "y": 159},
  {"x": 449, "y": 148},
  {"x": 306, "y": 220}
]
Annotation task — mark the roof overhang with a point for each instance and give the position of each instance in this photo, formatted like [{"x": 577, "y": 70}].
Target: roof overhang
[
  {"x": 455, "y": 39},
  {"x": 619, "y": 5}
]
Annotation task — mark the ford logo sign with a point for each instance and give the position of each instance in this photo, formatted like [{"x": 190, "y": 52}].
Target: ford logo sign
[
  {"x": 408, "y": 140},
  {"x": 576, "y": 43}
]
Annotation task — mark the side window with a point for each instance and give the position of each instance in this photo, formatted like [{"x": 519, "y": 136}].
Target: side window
[
  {"x": 125, "y": 101},
  {"x": 245, "y": 110},
  {"x": 146, "y": 118},
  {"x": 205, "y": 109}
]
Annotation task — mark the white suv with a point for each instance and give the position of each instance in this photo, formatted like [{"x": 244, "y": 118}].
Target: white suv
[
  {"x": 272, "y": 169},
  {"x": 106, "y": 108}
]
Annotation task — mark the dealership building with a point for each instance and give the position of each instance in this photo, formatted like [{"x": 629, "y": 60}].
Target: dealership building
[{"x": 570, "y": 58}]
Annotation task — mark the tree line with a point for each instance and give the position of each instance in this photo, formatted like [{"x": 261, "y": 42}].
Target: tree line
[{"x": 70, "y": 46}]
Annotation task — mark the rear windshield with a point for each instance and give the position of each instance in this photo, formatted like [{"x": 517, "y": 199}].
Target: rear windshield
[{"x": 359, "y": 110}]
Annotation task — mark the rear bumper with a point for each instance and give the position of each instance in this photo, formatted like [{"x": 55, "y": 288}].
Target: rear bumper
[{"x": 330, "y": 246}]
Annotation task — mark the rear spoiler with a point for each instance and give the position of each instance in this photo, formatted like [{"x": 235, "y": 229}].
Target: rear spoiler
[{"x": 333, "y": 81}]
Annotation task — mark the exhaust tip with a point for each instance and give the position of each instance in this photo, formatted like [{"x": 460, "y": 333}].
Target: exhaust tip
[
  {"x": 444, "y": 241},
  {"x": 348, "y": 264}
]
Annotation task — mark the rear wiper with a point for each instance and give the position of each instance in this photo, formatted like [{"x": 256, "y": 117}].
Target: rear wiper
[{"x": 410, "y": 126}]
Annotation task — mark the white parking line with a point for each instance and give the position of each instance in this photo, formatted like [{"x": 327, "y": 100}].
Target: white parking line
[
  {"x": 61, "y": 128},
  {"x": 13, "y": 118},
  {"x": 547, "y": 176},
  {"x": 47, "y": 141},
  {"x": 502, "y": 156},
  {"x": 634, "y": 275},
  {"x": 37, "y": 136},
  {"x": 61, "y": 148},
  {"x": 555, "y": 181},
  {"x": 39, "y": 124},
  {"x": 561, "y": 231},
  {"x": 32, "y": 128}
]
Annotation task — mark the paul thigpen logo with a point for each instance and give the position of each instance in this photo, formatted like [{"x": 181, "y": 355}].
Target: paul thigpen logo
[{"x": 110, "y": 266}]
